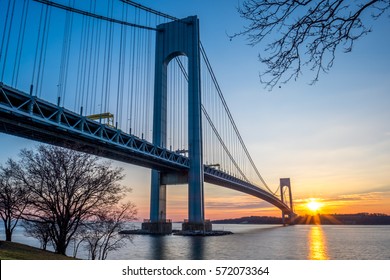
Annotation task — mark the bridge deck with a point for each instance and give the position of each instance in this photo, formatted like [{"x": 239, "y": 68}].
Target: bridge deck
[{"x": 27, "y": 116}]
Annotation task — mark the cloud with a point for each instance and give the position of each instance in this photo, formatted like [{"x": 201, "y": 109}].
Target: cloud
[
  {"x": 372, "y": 196},
  {"x": 237, "y": 205},
  {"x": 385, "y": 189},
  {"x": 358, "y": 197}
]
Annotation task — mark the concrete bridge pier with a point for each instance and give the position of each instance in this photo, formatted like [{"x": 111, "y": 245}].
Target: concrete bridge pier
[{"x": 158, "y": 224}]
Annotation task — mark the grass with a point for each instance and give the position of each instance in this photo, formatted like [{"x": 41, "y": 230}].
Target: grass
[{"x": 17, "y": 251}]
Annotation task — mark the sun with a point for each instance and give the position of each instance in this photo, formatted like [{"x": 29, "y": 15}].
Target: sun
[{"x": 313, "y": 205}]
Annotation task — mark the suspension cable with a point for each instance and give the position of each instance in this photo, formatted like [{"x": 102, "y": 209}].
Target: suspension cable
[
  {"x": 149, "y": 10},
  {"x": 89, "y": 14},
  {"x": 19, "y": 45},
  {"x": 214, "y": 128},
  {"x": 7, "y": 45},
  {"x": 203, "y": 52},
  {"x": 215, "y": 83}
]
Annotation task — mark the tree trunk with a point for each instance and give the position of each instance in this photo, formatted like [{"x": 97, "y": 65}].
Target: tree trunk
[
  {"x": 61, "y": 245},
  {"x": 61, "y": 248},
  {"x": 8, "y": 235}
]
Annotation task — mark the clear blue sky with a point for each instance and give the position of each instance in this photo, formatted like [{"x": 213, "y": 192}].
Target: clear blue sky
[{"x": 332, "y": 139}]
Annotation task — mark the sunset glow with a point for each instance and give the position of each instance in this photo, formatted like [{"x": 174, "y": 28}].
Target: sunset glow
[
  {"x": 313, "y": 205},
  {"x": 331, "y": 138}
]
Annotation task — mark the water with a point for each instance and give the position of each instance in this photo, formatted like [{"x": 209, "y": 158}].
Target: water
[{"x": 254, "y": 242}]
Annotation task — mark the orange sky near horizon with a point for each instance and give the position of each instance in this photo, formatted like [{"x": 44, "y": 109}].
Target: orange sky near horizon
[
  {"x": 222, "y": 203},
  {"x": 332, "y": 139}
]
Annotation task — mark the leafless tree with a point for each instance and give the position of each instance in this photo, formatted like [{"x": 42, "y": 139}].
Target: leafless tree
[
  {"x": 78, "y": 238},
  {"x": 66, "y": 188},
  {"x": 102, "y": 233},
  {"x": 13, "y": 198},
  {"x": 38, "y": 230},
  {"x": 305, "y": 33}
]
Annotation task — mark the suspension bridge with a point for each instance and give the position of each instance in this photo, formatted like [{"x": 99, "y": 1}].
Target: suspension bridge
[{"x": 122, "y": 81}]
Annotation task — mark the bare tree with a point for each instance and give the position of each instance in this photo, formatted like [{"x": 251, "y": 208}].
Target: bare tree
[
  {"x": 66, "y": 188},
  {"x": 78, "y": 238},
  {"x": 102, "y": 233},
  {"x": 13, "y": 198},
  {"x": 38, "y": 230},
  {"x": 305, "y": 33}
]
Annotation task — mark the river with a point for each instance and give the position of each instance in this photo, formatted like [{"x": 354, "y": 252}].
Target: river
[{"x": 256, "y": 242}]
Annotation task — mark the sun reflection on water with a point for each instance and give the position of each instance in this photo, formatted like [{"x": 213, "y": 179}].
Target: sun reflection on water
[{"x": 317, "y": 243}]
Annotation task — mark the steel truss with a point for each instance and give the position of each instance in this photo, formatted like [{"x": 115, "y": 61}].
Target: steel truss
[{"x": 30, "y": 117}]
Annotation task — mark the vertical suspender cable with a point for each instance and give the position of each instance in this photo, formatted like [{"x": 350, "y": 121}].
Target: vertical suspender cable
[
  {"x": 148, "y": 85},
  {"x": 123, "y": 66},
  {"x": 5, "y": 30},
  {"x": 88, "y": 103},
  {"x": 96, "y": 67},
  {"x": 144, "y": 81},
  {"x": 41, "y": 58},
  {"x": 67, "y": 55},
  {"x": 7, "y": 43},
  {"x": 79, "y": 65},
  {"x": 46, "y": 40},
  {"x": 131, "y": 80},
  {"x": 102, "y": 106},
  {"x": 84, "y": 72},
  {"x": 60, "y": 84},
  {"x": 109, "y": 62},
  {"x": 120, "y": 73},
  {"x": 19, "y": 45}
]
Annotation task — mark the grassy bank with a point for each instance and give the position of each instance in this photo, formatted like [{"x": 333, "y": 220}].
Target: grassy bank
[{"x": 17, "y": 251}]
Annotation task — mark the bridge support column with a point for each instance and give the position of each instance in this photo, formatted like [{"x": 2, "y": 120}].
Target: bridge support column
[
  {"x": 158, "y": 224},
  {"x": 287, "y": 218},
  {"x": 158, "y": 198},
  {"x": 177, "y": 38}
]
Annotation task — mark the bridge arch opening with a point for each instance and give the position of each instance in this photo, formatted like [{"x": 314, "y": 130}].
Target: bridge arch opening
[
  {"x": 172, "y": 40},
  {"x": 177, "y": 104}
]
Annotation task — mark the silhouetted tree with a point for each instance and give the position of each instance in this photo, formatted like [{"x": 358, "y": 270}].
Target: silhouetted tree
[
  {"x": 306, "y": 33},
  {"x": 78, "y": 238},
  {"x": 102, "y": 233},
  {"x": 66, "y": 188},
  {"x": 13, "y": 198},
  {"x": 38, "y": 230}
]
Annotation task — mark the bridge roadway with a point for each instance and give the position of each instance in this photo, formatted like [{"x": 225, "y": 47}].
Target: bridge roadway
[{"x": 27, "y": 116}]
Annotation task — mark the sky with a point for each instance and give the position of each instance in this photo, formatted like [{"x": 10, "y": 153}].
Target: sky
[{"x": 332, "y": 139}]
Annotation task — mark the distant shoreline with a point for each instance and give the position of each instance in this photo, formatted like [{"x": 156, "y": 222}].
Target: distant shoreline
[{"x": 324, "y": 219}]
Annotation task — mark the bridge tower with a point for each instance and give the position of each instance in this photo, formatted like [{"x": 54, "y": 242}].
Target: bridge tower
[
  {"x": 285, "y": 183},
  {"x": 180, "y": 37}
]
